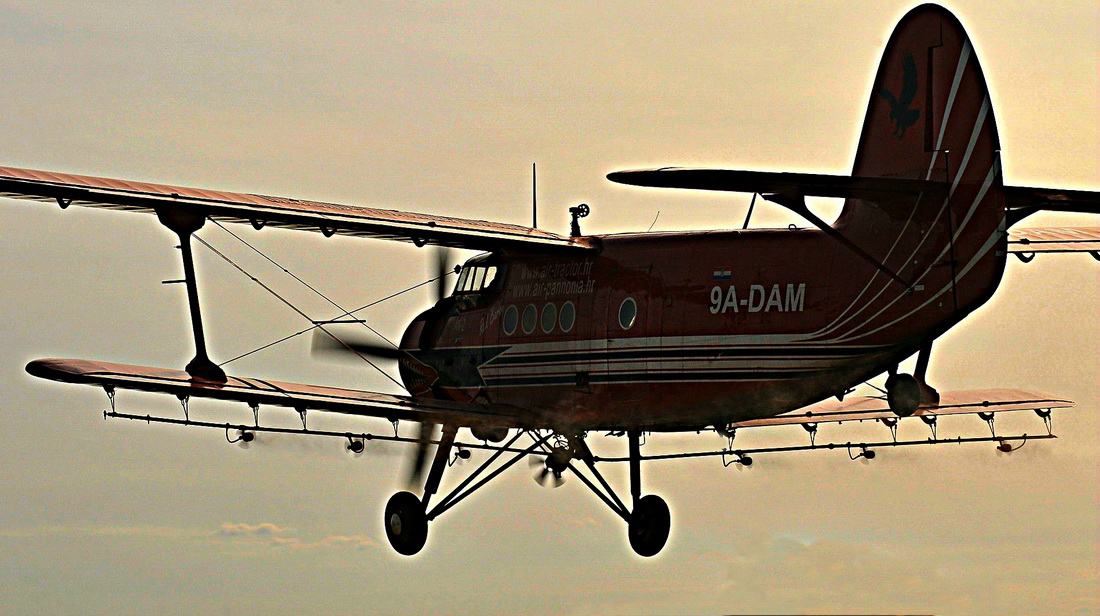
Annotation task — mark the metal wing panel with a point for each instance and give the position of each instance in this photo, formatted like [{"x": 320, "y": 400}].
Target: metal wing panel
[
  {"x": 263, "y": 210},
  {"x": 1054, "y": 239},
  {"x": 951, "y": 403},
  {"x": 261, "y": 391}
]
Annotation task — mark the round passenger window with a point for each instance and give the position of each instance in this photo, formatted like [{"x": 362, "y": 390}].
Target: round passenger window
[
  {"x": 511, "y": 320},
  {"x": 549, "y": 317},
  {"x": 530, "y": 315},
  {"x": 628, "y": 311},
  {"x": 568, "y": 315}
]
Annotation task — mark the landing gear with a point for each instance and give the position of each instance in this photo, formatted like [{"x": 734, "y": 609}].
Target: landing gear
[
  {"x": 649, "y": 525},
  {"x": 407, "y": 515},
  {"x": 406, "y": 523},
  {"x": 648, "y": 519},
  {"x": 903, "y": 394}
]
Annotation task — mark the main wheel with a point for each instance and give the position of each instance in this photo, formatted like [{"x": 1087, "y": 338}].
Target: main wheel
[
  {"x": 903, "y": 394},
  {"x": 406, "y": 523},
  {"x": 649, "y": 525}
]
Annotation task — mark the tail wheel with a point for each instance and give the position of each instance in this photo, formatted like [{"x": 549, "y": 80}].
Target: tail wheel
[
  {"x": 406, "y": 523},
  {"x": 649, "y": 525},
  {"x": 903, "y": 394}
]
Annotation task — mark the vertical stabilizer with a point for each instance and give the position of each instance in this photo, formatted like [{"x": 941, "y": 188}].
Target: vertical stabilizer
[{"x": 929, "y": 117}]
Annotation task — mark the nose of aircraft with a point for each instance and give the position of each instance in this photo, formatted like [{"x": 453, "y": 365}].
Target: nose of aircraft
[{"x": 417, "y": 376}]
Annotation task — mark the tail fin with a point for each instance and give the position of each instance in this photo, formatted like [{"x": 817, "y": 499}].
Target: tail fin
[{"x": 929, "y": 118}]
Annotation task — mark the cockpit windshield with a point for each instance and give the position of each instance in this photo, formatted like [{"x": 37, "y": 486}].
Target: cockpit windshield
[{"x": 476, "y": 277}]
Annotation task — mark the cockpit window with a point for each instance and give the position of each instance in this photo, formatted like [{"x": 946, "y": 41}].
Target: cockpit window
[{"x": 475, "y": 278}]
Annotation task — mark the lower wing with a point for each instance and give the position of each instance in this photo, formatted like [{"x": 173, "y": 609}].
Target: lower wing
[
  {"x": 1024, "y": 243},
  {"x": 261, "y": 391},
  {"x": 869, "y": 408}
]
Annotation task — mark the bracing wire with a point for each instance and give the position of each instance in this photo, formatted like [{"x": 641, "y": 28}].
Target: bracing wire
[
  {"x": 315, "y": 325},
  {"x": 303, "y": 282},
  {"x": 294, "y": 308}
]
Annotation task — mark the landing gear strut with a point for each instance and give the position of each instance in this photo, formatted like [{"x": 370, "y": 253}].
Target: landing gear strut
[
  {"x": 650, "y": 520},
  {"x": 407, "y": 515}
]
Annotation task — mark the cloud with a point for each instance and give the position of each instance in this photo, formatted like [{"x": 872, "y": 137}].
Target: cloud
[
  {"x": 264, "y": 529},
  {"x": 281, "y": 537}
]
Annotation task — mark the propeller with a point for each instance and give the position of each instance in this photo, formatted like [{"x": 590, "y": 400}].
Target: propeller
[
  {"x": 424, "y": 436},
  {"x": 442, "y": 255},
  {"x": 553, "y": 465},
  {"x": 347, "y": 347},
  {"x": 323, "y": 346},
  {"x": 242, "y": 438},
  {"x": 356, "y": 446}
]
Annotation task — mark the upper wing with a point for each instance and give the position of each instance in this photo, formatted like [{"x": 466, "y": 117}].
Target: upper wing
[
  {"x": 865, "y": 408},
  {"x": 262, "y": 391},
  {"x": 1054, "y": 239},
  {"x": 260, "y": 210}
]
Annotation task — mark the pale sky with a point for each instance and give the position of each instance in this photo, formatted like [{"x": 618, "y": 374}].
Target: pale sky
[{"x": 442, "y": 108}]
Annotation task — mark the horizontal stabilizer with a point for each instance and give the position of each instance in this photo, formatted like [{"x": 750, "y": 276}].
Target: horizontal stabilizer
[
  {"x": 865, "y": 408},
  {"x": 261, "y": 391},
  {"x": 786, "y": 184},
  {"x": 260, "y": 210},
  {"x": 1028, "y": 200}
]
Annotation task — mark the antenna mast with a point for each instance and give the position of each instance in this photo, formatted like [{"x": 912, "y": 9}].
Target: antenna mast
[{"x": 534, "y": 199}]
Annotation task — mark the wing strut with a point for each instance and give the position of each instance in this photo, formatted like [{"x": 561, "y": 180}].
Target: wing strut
[
  {"x": 184, "y": 223},
  {"x": 797, "y": 204}
]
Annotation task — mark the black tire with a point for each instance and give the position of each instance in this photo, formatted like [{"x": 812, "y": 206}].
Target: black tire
[
  {"x": 406, "y": 524},
  {"x": 649, "y": 525},
  {"x": 903, "y": 394}
]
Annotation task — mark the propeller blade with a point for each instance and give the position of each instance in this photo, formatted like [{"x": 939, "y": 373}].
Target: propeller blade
[
  {"x": 548, "y": 478},
  {"x": 440, "y": 274},
  {"x": 244, "y": 438},
  {"x": 356, "y": 447},
  {"x": 545, "y": 477},
  {"x": 324, "y": 347},
  {"x": 442, "y": 269},
  {"x": 424, "y": 434}
]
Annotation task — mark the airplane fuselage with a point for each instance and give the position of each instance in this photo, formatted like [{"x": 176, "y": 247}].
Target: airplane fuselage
[{"x": 680, "y": 330}]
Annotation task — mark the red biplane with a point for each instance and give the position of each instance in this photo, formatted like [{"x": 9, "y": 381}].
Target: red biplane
[{"x": 547, "y": 338}]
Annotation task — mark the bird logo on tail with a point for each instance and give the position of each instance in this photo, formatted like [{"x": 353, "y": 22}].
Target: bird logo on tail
[{"x": 900, "y": 113}]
